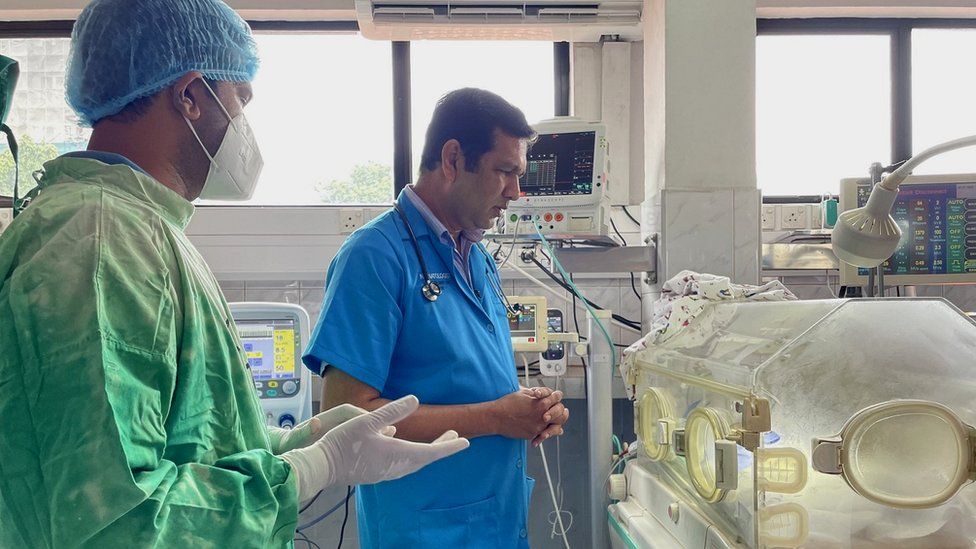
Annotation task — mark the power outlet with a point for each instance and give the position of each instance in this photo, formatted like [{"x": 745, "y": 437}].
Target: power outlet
[
  {"x": 350, "y": 219},
  {"x": 769, "y": 218},
  {"x": 794, "y": 217},
  {"x": 6, "y": 218}
]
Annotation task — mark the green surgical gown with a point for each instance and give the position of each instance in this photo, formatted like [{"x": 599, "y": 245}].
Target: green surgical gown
[{"x": 128, "y": 417}]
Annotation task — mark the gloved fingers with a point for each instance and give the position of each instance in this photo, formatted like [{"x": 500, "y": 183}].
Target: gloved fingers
[
  {"x": 314, "y": 427},
  {"x": 448, "y": 435},
  {"x": 389, "y": 431},
  {"x": 392, "y": 412},
  {"x": 337, "y": 415}
]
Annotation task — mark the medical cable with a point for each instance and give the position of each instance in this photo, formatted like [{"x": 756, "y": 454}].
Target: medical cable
[
  {"x": 633, "y": 325},
  {"x": 599, "y": 323},
  {"x": 302, "y": 537},
  {"x": 310, "y": 503},
  {"x": 511, "y": 249},
  {"x": 553, "y": 516},
  {"x": 545, "y": 467},
  {"x": 321, "y": 517},
  {"x": 345, "y": 518},
  {"x": 633, "y": 284},
  {"x": 622, "y": 322},
  {"x": 627, "y": 213}
]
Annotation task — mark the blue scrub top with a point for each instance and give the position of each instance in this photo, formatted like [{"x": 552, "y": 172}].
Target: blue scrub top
[{"x": 377, "y": 327}]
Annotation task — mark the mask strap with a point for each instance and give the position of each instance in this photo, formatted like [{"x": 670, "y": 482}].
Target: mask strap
[
  {"x": 202, "y": 146},
  {"x": 217, "y": 99},
  {"x": 12, "y": 144},
  {"x": 192, "y": 129}
]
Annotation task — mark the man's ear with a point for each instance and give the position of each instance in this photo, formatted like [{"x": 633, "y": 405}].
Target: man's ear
[
  {"x": 186, "y": 94},
  {"x": 452, "y": 159}
]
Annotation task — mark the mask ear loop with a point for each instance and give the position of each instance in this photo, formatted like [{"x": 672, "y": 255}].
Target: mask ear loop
[{"x": 194, "y": 131}]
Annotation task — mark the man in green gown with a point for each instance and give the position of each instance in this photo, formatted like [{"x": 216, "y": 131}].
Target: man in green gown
[{"x": 129, "y": 415}]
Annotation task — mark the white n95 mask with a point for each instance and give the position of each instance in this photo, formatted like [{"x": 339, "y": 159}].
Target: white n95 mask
[{"x": 236, "y": 167}]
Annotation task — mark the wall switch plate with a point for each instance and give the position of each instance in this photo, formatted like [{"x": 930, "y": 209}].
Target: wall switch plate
[
  {"x": 794, "y": 217},
  {"x": 768, "y": 217},
  {"x": 350, "y": 219}
]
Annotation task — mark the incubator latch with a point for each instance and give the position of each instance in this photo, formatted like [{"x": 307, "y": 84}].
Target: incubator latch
[
  {"x": 678, "y": 442},
  {"x": 826, "y": 455},
  {"x": 755, "y": 415},
  {"x": 726, "y": 465}
]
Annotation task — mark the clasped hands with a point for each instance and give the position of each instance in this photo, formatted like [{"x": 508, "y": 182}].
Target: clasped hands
[{"x": 534, "y": 414}]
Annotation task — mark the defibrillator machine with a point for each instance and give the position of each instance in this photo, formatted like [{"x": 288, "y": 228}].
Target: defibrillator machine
[{"x": 274, "y": 336}]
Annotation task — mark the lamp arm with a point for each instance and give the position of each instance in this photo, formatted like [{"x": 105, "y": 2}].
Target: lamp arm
[{"x": 895, "y": 178}]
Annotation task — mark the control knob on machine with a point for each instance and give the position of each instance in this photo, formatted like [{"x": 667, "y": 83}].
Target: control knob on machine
[
  {"x": 286, "y": 421},
  {"x": 289, "y": 387},
  {"x": 618, "y": 487}
]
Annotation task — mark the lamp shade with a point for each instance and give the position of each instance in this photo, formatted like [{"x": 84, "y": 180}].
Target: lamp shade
[{"x": 866, "y": 237}]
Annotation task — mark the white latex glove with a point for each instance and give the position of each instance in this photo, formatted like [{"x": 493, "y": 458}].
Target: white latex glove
[
  {"x": 363, "y": 451},
  {"x": 307, "y": 432}
]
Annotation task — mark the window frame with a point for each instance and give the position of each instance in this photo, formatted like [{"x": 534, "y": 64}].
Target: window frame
[
  {"x": 399, "y": 51},
  {"x": 899, "y": 32}
]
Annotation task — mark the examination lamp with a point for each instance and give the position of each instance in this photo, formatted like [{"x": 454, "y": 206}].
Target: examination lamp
[{"x": 866, "y": 237}]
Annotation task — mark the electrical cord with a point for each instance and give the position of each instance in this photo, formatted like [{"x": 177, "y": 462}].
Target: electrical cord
[
  {"x": 626, "y": 321},
  {"x": 511, "y": 249},
  {"x": 302, "y": 537},
  {"x": 321, "y": 517},
  {"x": 633, "y": 283},
  {"x": 627, "y": 213},
  {"x": 309, "y": 504},
  {"x": 596, "y": 319},
  {"x": 545, "y": 466},
  {"x": 528, "y": 276},
  {"x": 345, "y": 518}
]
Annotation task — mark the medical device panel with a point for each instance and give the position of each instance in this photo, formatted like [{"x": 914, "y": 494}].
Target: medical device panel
[
  {"x": 937, "y": 216},
  {"x": 527, "y": 323},
  {"x": 274, "y": 336},
  {"x": 835, "y": 423},
  {"x": 553, "y": 361},
  {"x": 564, "y": 189}
]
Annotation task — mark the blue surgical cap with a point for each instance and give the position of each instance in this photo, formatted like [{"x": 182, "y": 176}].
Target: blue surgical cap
[{"x": 123, "y": 50}]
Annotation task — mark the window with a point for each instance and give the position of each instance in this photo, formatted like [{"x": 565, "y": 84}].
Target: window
[
  {"x": 323, "y": 116},
  {"x": 43, "y": 124},
  {"x": 521, "y": 72},
  {"x": 943, "y": 88},
  {"x": 823, "y": 110}
]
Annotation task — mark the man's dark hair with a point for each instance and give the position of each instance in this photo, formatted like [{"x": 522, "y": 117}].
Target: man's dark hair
[{"x": 471, "y": 116}]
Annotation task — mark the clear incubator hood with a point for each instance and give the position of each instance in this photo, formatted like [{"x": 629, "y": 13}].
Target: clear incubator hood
[{"x": 837, "y": 423}]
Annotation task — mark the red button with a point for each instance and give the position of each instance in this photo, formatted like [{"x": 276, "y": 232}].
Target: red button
[
  {"x": 547, "y": 217},
  {"x": 531, "y": 340},
  {"x": 559, "y": 217}
]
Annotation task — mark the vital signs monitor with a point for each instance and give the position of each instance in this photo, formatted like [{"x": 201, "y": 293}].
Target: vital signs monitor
[
  {"x": 564, "y": 189},
  {"x": 937, "y": 217},
  {"x": 274, "y": 336}
]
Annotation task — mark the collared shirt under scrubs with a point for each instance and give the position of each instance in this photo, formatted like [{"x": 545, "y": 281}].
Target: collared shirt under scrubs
[
  {"x": 376, "y": 326},
  {"x": 129, "y": 415}
]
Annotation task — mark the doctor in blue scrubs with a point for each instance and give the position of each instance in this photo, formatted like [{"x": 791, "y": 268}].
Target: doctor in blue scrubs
[{"x": 413, "y": 305}]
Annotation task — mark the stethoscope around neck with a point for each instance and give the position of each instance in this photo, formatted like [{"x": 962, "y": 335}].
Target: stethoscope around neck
[{"x": 432, "y": 290}]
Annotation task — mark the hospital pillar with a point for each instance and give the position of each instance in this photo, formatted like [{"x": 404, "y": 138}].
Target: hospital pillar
[
  {"x": 599, "y": 416},
  {"x": 699, "y": 139}
]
